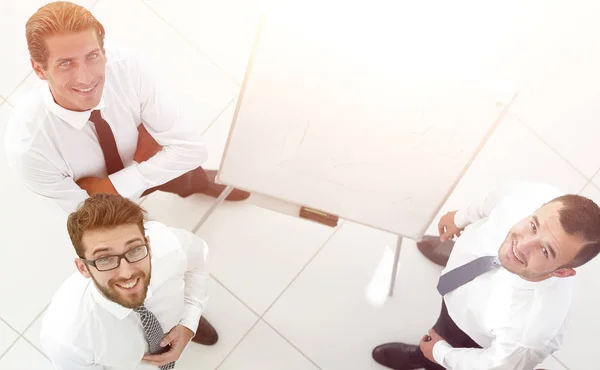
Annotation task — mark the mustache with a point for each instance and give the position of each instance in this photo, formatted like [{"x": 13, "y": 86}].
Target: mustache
[{"x": 140, "y": 275}]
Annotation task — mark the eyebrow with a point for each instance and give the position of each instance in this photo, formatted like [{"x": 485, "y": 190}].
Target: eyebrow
[
  {"x": 537, "y": 224},
  {"x": 70, "y": 59},
  {"x": 130, "y": 241}
]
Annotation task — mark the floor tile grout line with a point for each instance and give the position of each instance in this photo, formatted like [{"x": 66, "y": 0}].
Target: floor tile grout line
[
  {"x": 249, "y": 330},
  {"x": 210, "y": 60},
  {"x": 220, "y": 114},
  {"x": 262, "y": 317},
  {"x": 559, "y": 361},
  {"x": 10, "y": 326},
  {"x": 238, "y": 344},
  {"x": 9, "y": 347},
  {"x": 17, "y": 88},
  {"x": 588, "y": 182},
  {"x": 35, "y": 347},
  {"x": 549, "y": 146},
  {"x": 290, "y": 343},
  {"x": 22, "y": 335},
  {"x": 233, "y": 294},
  {"x": 14, "y": 342},
  {"x": 303, "y": 268},
  {"x": 595, "y": 174},
  {"x": 36, "y": 317},
  {"x": 594, "y": 185}
]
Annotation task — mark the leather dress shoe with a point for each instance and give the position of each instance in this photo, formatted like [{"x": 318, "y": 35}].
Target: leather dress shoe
[
  {"x": 435, "y": 250},
  {"x": 398, "y": 356},
  {"x": 205, "y": 334},
  {"x": 214, "y": 190}
]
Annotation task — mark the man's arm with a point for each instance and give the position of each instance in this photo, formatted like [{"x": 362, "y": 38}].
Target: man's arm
[
  {"x": 196, "y": 277},
  {"x": 65, "y": 357},
  {"x": 177, "y": 132},
  {"x": 482, "y": 207},
  {"x": 43, "y": 178},
  {"x": 499, "y": 356}
]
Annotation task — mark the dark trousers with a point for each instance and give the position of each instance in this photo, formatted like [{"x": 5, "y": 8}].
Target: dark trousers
[
  {"x": 448, "y": 330},
  {"x": 194, "y": 181}
]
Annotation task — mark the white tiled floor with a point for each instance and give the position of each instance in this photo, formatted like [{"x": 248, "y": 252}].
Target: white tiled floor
[{"x": 286, "y": 293}]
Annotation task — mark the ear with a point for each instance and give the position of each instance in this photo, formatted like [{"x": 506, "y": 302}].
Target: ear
[
  {"x": 82, "y": 268},
  {"x": 564, "y": 273},
  {"x": 149, "y": 247},
  {"x": 38, "y": 69}
]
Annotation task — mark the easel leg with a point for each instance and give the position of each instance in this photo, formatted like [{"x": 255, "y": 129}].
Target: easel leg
[
  {"x": 214, "y": 206},
  {"x": 395, "y": 268}
]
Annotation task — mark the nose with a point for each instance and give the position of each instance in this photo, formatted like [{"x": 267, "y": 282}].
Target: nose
[
  {"x": 528, "y": 244},
  {"x": 84, "y": 75},
  {"x": 126, "y": 269}
]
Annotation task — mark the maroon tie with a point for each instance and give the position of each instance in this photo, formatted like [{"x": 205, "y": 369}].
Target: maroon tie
[{"x": 107, "y": 143}]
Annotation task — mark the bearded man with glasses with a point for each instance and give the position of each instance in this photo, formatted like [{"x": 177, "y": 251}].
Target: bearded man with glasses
[{"x": 137, "y": 297}]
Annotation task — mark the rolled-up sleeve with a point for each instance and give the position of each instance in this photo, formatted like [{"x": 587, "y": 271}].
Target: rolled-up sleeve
[
  {"x": 171, "y": 125},
  {"x": 499, "y": 356},
  {"x": 43, "y": 178}
]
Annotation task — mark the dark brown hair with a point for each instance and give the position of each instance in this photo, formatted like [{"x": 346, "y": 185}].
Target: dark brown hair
[
  {"x": 581, "y": 216},
  {"x": 103, "y": 211}
]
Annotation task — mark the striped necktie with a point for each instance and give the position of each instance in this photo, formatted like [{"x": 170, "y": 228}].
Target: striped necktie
[{"x": 154, "y": 334}]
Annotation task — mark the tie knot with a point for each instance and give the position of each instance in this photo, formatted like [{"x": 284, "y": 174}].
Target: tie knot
[
  {"x": 95, "y": 116},
  {"x": 140, "y": 309}
]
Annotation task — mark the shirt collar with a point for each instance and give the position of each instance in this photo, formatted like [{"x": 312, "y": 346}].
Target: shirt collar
[
  {"x": 518, "y": 282},
  {"x": 76, "y": 119},
  {"x": 114, "y": 308}
]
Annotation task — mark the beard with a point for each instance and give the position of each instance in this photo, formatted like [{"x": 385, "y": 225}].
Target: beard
[
  {"x": 113, "y": 293},
  {"x": 515, "y": 268}
]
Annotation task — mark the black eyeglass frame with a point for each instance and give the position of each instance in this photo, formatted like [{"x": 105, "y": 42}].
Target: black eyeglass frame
[{"x": 120, "y": 257}]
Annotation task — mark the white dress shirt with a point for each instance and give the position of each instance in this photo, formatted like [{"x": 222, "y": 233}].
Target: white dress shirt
[
  {"x": 83, "y": 330},
  {"x": 518, "y": 323},
  {"x": 51, "y": 147}
]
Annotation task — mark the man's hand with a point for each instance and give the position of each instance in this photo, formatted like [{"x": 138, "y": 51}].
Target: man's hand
[
  {"x": 178, "y": 338},
  {"x": 427, "y": 346},
  {"x": 95, "y": 185},
  {"x": 447, "y": 227},
  {"x": 147, "y": 147}
]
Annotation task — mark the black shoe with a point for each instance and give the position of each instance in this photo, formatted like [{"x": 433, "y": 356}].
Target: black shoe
[
  {"x": 435, "y": 250},
  {"x": 205, "y": 334},
  {"x": 399, "y": 356}
]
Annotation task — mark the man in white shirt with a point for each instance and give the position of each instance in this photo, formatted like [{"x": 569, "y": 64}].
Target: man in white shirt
[
  {"x": 101, "y": 123},
  {"x": 138, "y": 294},
  {"x": 507, "y": 286}
]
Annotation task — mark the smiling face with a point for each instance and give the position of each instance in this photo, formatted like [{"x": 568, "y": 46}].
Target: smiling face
[
  {"x": 128, "y": 284},
  {"x": 537, "y": 247},
  {"x": 75, "y": 69}
]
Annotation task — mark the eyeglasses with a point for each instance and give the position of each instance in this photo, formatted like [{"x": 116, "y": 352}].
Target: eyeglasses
[{"x": 108, "y": 263}]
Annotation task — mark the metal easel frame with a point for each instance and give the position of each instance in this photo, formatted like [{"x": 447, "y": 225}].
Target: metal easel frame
[{"x": 228, "y": 191}]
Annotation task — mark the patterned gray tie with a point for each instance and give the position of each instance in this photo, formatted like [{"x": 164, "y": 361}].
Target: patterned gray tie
[
  {"x": 465, "y": 273},
  {"x": 154, "y": 334}
]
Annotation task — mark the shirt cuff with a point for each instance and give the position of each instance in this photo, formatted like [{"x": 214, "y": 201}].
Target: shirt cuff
[
  {"x": 128, "y": 182},
  {"x": 191, "y": 317},
  {"x": 460, "y": 219},
  {"x": 440, "y": 350}
]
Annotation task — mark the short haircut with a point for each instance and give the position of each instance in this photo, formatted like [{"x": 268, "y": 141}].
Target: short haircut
[
  {"x": 56, "y": 18},
  {"x": 103, "y": 211},
  {"x": 581, "y": 216}
]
